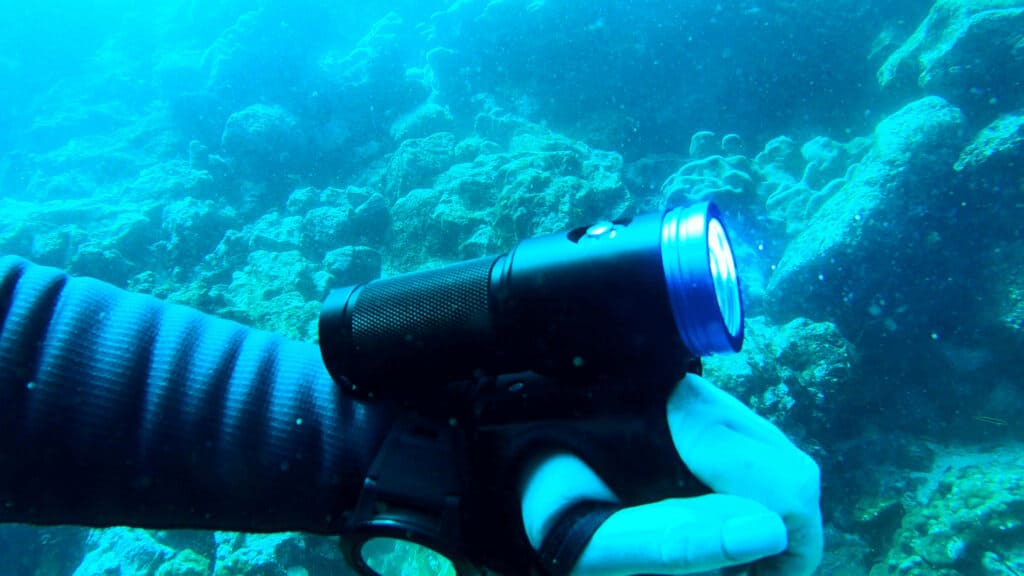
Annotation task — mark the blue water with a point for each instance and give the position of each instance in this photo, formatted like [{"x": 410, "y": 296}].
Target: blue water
[{"x": 221, "y": 154}]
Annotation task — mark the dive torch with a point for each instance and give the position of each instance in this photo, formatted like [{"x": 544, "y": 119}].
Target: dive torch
[{"x": 637, "y": 299}]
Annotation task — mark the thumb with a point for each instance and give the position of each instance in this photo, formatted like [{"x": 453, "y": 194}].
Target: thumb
[
  {"x": 683, "y": 536},
  {"x": 678, "y": 535}
]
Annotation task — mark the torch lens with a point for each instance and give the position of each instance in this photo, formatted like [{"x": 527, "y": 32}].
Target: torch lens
[
  {"x": 723, "y": 271},
  {"x": 702, "y": 283}
]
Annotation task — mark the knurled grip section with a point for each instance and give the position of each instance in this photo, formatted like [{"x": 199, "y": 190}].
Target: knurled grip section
[{"x": 447, "y": 305}]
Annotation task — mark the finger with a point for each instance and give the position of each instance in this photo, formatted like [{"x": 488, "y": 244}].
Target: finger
[
  {"x": 695, "y": 402},
  {"x": 553, "y": 483},
  {"x": 683, "y": 536},
  {"x": 672, "y": 536},
  {"x": 735, "y": 451}
]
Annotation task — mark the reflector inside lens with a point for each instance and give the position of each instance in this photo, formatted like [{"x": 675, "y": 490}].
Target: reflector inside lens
[
  {"x": 723, "y": 272},
  {"x": 700, "y": 273}
]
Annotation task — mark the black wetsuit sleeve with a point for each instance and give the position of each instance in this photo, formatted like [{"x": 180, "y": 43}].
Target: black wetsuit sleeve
[{"x": 121, "y": 409}]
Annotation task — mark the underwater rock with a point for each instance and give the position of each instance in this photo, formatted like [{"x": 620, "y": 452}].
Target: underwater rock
[
  {"x": 263, "y": 141},
  {"x": 273, "y": 232},
  {"x": 372, "y": 91},
  {"x": 423, "y": 231},
  {"x": 46, "y": 232},
  {"x": 376, "y": 71},
  {"x": 541, "y": 182},
  {"x": 496, "y": 126},
  {"x": 118, "y": 253},
  {"x": 1004, "y": 294},
  {"x": 123, "y": 551},
  {"x": 53, "y": 247},
  {"x": 795, "y": 374},
  {"x": 870, "y": 472},
  {"x": 326, "y": 227},
  {"x": 429, "y": 118},
  {"x": 965, "y": 51},
  {"x": 172, "y": 179},
  {"x": 443, "y": 65},
  {"x": 100, "y": 160},
  {"x": 969, "y": 513},
  {"x": 1001, "y": 142},
  {"x": 341, "y": 217},
  {"x": 469, "y": 148},
  {"x": 349, "y": 265},
  {"x": 814, "y": 361},
  {"x": 112, "y": 239},
  {"x": 696, "y": 64},
  {"x": 202, "y": 161},
  {"x": 275, "y": 291},
  {"x": 241, "y": 47},
  {"x": 449, "y": 222},
  {"x": 416, "y": 163},
  {"x": 879, "y": 515},
  {"x": 845, "y": 554},
  {"x": 723, "y": 175},
  {"x": 373, "y": 64},
  {"x": 258, "y": 554},
  {"x": 185, "y": 563},
  {"x": 549, "y": 182},
  {"x": 190, "y": 229},
  {"x": 885, "y": 207},
  {"x": 314, "y": 221}
]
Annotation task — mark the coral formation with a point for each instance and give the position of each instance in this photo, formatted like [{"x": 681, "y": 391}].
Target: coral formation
[{"x": 967, "y": 519}]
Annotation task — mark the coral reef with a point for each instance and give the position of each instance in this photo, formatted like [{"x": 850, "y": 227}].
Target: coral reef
[
  {"x": 797, "y": 183},
  {"x": 509, "y": 181},
  {"x": 795, "y": 374},
  {"x": 132, "y": 551},
  {"x": 123, "y": 551},
  {"x": 716, "y": 171},
  {"x": 966, "y": 520}
]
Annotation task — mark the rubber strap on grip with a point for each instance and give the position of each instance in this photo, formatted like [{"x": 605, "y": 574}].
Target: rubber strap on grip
[{"x": 570, "y": 534}]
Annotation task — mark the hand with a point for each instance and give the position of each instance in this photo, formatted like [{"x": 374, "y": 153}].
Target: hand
[{"x": 765, "y": 505}]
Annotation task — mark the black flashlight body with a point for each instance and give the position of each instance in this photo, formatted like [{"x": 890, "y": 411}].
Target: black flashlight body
[{"x": 590, "y": 302}]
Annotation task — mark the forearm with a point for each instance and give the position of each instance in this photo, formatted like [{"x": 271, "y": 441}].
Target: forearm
[{"x": 118, "y": 408}]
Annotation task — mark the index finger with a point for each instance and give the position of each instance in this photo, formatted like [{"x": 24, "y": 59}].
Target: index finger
[
  {"x": 696, "y": 404},
  {"x": 734, "y": 451}
]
